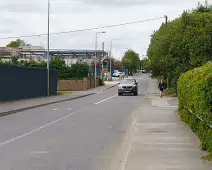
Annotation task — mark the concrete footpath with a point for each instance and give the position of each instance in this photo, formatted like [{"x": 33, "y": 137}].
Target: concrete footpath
[
  {"x": 160, "y": 140},
  {"x": 7, "y": 108}
]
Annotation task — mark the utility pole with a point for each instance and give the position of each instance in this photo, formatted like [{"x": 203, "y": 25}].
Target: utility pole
[
  {"x": 166, "y": 22},
  {"x": 96, "y": 52},
  {"x": 48, "y": 72},
  {"x": 122, "y": 63},
  {"x": 95, "y": 58},
  {"x": 166, "y": 19},
  {"x": 111, "y": 45},
  {"x": 103, "y": 46}
]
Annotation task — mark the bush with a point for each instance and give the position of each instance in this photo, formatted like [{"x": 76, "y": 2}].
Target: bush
[
  {"x": 208, "y": 157},
  {"x": 101, "y": 82},
  {"x": 75, "y": 72},
  {"x": 195, "y": 102},
  {"x": 170, "y": 92}
]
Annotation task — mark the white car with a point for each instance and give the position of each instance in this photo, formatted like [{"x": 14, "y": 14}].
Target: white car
[{"x": 117, "y": 74}]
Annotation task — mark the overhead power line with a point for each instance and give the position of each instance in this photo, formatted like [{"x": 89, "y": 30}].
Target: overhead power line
[{"x": 82, "y": 30}]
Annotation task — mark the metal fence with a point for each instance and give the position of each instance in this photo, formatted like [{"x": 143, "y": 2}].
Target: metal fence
[{"x": 22, "y": 83}]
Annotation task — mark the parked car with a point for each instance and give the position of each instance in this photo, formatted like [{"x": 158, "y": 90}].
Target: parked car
[{"x": 128, "y": 86}]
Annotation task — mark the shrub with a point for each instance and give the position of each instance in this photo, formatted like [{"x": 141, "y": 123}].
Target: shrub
[
  {"x": 101, "y": 82},
  {"x": 195, "y": 102},
  {"x": 75, "y": 72},
  {"x": 170, "y": 92}
]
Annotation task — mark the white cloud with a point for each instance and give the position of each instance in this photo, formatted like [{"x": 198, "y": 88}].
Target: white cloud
[{"x": 25, "y": 17}]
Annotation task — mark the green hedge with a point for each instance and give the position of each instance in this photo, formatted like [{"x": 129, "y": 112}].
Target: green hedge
[
  {"x": 195, "y": 102},
  {"x": 75, "y": 72}
]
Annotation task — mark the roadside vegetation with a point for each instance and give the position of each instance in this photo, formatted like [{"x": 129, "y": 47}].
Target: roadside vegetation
[
  {"x": 131, "y": 61},
  {"x": 195, "y": 102},
  {"x": 75, "y": 72},
  {"x": 183, "y": 44},
  {"x": 180, "y": 53},
  {"x": 61, "y": 93}
]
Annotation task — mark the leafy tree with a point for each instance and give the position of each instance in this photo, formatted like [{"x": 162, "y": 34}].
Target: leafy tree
[
  {"x": 17, "y": 43},
  {"x": 76, "y": 71},
  {"x": 57, "y": 63},
  {"x": 32, "y": 63},
  {"x": 14, "y": 60},
  {"x": 79, "y": 70},
  {"x": 145, "y": 64},
  {"x": 132, "y": 61},
  {"x": 182, "y": 45},
  {"x": 116, "y": 64},
  {"x": 1, "y": 60}
]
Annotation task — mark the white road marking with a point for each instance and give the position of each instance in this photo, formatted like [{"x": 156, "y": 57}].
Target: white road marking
[
  {"x": 37, "y": 129},
  {"x": 106, "y": 99},
  {"x": 141, "y": 77},
  {"x": 55, "y": 109}
]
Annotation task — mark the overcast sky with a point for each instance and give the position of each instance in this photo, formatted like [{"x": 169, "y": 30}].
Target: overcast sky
[{"x": 25, "y": 17}]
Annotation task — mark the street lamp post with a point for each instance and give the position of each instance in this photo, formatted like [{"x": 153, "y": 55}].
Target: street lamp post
[
  {"x": 48, "y": 75},
  {"x": 96, "y": 52},
  {"x": 111, "y": 47}
]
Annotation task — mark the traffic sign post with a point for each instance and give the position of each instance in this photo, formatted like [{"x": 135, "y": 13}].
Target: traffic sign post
[
  {"x": 105, "y": 70},
  {"x": 104, "y": 66}
]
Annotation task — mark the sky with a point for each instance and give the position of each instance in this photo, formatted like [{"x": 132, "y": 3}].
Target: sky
[{"x": 26, "y": 17}]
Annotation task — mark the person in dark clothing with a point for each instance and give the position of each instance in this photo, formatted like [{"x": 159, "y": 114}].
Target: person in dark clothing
[{"x": 161, "y": 87}]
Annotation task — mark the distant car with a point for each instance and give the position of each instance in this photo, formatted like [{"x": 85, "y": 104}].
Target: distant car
[
  {"x": 143, "y": 71},
  {"x": 117, "y": 74},
  {"x": 128, "y": 86}
]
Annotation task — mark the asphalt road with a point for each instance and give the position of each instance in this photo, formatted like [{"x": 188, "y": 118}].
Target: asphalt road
[{"x": 83, "y": 134}]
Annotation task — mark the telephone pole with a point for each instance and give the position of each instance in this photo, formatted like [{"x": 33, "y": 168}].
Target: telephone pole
[
  {"x": 96, "y": 52},
  {"x": 166, "y": 22},
  {"x": 166, "y": 19},
  {"x": 103, "y": 46}
]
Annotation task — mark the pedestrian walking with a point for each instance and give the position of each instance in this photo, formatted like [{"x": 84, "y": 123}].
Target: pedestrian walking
[{"x": 161, "y": 87}]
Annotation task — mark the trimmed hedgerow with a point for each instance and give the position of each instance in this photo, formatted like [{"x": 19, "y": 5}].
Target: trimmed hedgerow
[{"x": 195, "y": 102}]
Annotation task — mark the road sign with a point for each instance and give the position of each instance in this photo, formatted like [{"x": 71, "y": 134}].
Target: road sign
[{"x": 105, "y": 70}]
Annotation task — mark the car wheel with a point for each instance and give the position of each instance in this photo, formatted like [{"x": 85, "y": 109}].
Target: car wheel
[
  {"x": 120, "y": 94},
  {"x": 136, "y": 93}
]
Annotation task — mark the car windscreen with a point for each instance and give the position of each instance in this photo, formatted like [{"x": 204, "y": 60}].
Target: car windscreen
[{"x": 131, "y": 81}]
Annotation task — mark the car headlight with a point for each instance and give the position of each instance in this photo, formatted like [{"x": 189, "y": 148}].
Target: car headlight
[
  {"x": 134, "y": 85},
  {"x": 120, "y": 87}
]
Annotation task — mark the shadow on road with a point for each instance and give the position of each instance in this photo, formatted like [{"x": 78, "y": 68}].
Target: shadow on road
[{"x": 131, "y": 94}]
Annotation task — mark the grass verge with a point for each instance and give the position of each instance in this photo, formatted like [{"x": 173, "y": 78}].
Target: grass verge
[
  {"x": 170, "y": 92},
  {"x": 65, "y": 93},
  {"x": 208, "y": 157}
]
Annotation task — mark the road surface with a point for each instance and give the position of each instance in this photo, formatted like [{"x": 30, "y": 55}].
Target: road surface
[{"x": 84, "y": 134}]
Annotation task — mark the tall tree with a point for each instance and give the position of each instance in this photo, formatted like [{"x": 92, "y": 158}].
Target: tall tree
[
  {"x": 116, "y": 64},
  {"x": 145, "y": 64},
  {"x": 17, "y": 43},
  {"x": 182, "y": 44},
  {"x": 132, "y": 61}
]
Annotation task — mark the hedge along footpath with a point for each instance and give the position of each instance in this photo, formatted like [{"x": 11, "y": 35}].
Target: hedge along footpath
[{"x": 195, "y": 102}]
